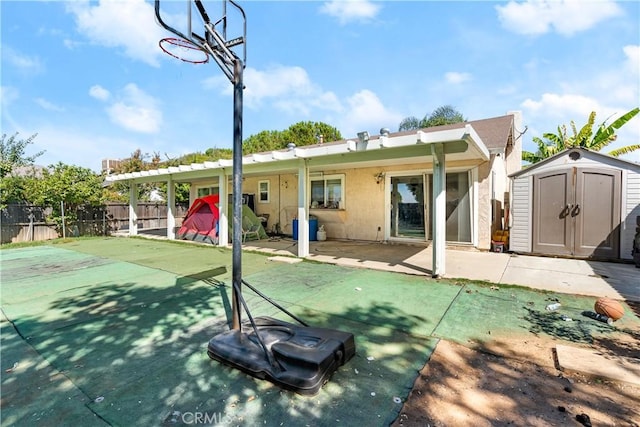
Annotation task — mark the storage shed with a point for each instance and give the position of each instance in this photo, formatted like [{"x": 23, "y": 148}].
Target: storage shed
[{"x": 577, "y": 203}]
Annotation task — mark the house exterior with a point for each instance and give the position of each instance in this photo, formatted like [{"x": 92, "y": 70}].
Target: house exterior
[
  {"x": 577, "y": 203},
  {"x": 435, "y": 184}
]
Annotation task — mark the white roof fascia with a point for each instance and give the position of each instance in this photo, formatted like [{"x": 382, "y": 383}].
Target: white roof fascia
[
  {"x": 473, "y": 139},
  {"x": 442, "y": 136},
  {"x": 467, "y": 134},
  {"x": 384, "y": 141},
  {"x": 392, "y": 142},
  {"x": 325, "y": 150},
  {"x": 283, "y": 155},
  {"x": 262, "y": 157}
]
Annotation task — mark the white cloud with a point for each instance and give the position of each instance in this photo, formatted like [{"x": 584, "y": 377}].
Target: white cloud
[
  {"x": 98, "y": 92},
  {"x": 291, "y": 90},
  {"x": 351, "y": 10},
  {"x": 136, "y": 111},
  {"x": 551, "y": 104},
  {"x": 632, "y": 52},
  {"x": 71, "y": 44},
  {"x": 566, "y": 17},
  {"x": 365, "y": 111},
  {"x": 288, "y": 89},
  {"x": 8, "y": 94},
  {"x": 455, "y": 77},
  {"x": 20, "y": 60},
  {"x": 47, "y": 105},
  {"x": 130, "y": 25}
]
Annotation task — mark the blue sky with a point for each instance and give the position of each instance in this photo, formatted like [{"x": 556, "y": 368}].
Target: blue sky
[{"x": 90, "y": 79}]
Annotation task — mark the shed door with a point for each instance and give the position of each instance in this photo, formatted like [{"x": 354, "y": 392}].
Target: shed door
[
  {"x": 577, "y": 212},
  {"x": 597, "y": 213}
]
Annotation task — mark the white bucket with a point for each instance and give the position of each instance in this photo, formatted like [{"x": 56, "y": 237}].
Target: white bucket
[{"x": 321, "y": 235}]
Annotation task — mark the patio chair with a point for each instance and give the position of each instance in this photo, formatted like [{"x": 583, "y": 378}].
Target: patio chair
[{"x": 249, "y": 229}]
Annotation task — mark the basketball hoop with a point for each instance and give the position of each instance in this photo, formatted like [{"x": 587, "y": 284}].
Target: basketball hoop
[{"x": 183, "y": 50}]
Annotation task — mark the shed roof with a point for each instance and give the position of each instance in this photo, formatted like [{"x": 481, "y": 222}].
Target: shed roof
[{"x": 621, "y": 163}]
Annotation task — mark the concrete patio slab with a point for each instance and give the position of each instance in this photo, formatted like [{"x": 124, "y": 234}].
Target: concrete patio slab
[{"x": 598, "y": 365}]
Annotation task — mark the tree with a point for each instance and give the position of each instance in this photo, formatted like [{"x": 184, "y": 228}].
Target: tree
[
  {"x": 137, "y": 162},
  {"x": 267, "y": 140},
  {"x": 73, "y": 186},
  {"x": 443, "y": 115},
  {"x": 13, "y": 189},
  {"x": 554, "y": 143},
  {"x": 12, "y": 153},
  {"x": 409, "y": 123},
  {"x": 309, "y": 133},
  {"x": 301, "y": 134},
  {"x": 182, "y": 189}
]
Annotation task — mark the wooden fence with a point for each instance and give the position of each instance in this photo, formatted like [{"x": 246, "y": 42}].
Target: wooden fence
[{"x": 24, "y": 223}]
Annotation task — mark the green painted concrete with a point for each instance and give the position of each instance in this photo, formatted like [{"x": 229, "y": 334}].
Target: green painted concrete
[{"x": 114, "y": 331}]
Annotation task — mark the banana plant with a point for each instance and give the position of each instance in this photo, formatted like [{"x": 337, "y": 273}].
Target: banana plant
[{"x": 585, "y": 138}]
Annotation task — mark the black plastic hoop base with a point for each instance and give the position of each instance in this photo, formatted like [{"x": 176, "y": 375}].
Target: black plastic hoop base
[{"x": 302, "y": 358}]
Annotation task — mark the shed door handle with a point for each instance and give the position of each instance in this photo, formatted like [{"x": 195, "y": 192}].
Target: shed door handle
[{"x": 576, "y": 210}]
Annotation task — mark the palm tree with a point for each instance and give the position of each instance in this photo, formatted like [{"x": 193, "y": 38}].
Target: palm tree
[{"x": 554, "y": 143}]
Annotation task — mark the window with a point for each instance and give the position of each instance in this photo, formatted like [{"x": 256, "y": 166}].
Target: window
[
  {"x": 263, "y": 191},
  {"x": 328, "y": 192},
  {"x": 206, "y": 191}
]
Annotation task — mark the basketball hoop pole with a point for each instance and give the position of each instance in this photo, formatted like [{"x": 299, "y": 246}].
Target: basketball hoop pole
[
  {"x": 237, "y": 192},
  {"x": 216, "y": 45}
]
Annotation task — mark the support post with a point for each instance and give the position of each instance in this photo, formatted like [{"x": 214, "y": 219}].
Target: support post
[
  {"x": 303, "y": 219},
  {"x": 171, "y": 209},
  {"x": 439, "y": 214},
  {"x": 133, "y": 208},
  {"x": 223, "y": 209}
]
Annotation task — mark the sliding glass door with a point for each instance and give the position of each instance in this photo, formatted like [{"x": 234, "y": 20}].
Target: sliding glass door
[
  {"x": 408, "y": 207},
  {"x": 412, "y": 204}
]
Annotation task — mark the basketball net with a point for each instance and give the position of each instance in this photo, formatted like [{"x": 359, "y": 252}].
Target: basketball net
[{"x": 184, "y": 50}]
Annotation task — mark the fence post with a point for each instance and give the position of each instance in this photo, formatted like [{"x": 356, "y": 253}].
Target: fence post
[{"x": 64, "y": 229}]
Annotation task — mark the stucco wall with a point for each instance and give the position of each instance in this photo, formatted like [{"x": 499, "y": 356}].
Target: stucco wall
[
  {"x": 364, "y": 204},
  {"x": 484, "y": 206},
  {"x": 363, "y": 209}
]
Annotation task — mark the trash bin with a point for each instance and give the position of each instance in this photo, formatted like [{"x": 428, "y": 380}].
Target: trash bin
[{"x": 313, "y": 229}]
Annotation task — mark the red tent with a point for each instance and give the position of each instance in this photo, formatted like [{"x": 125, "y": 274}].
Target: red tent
[{"x": 201, "y": 221}]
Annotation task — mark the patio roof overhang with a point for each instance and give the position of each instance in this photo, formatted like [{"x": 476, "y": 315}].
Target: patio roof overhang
[{"x": 461, "y": 144}]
